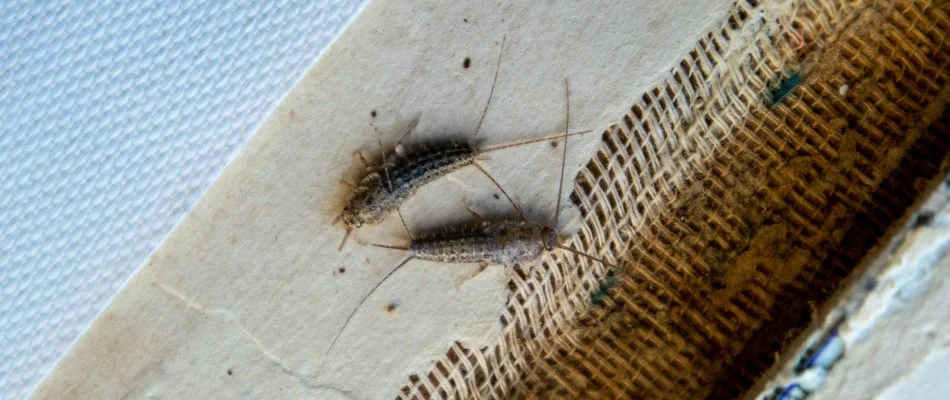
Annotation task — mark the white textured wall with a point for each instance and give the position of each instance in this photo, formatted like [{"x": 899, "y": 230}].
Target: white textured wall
[{"x": 115, "y": 119}]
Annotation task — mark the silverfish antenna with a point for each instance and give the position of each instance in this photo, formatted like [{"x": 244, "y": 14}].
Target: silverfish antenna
[
  {"x": 490, "y": 93},
  {"x": 515, "y": 144},
  {"x": 355, "y": 309},
  {"x": 567, "y": 127}
]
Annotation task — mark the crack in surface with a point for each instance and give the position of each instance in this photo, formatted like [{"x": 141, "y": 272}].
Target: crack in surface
[{"x": 258, "y": 344}]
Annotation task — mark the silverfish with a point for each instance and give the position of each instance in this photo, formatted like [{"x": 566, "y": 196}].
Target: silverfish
[{"x": 388, "y": 185}]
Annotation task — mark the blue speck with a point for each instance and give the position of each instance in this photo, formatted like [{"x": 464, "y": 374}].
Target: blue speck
[{"x": 784, "y": 88}]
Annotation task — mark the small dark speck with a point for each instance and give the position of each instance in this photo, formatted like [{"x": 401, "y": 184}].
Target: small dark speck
[
  {"x": 870, "y": 284},
  {"x": 341, "y": 270},
  {"x": 465, "y": 19},
  {"x": 392, "y": 306},
  {"x": 230, "y": 373},
  {"x": 496, "y": 196},
  {"x": 924, "y": 218},
  {"x": 372, "y": 113},
  {"x": 467, "y": 63},
  {"x": 554, "y": 143}
]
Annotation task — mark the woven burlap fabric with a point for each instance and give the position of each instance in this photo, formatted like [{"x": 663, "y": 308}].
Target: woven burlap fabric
[{"x": 729, "y": 202}]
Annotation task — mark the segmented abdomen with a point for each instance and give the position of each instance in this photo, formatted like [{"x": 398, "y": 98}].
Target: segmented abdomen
[
  {"x": 501, "y": 246},
  {"x": 373, "y": 201},
  {"x": 428, "y": 164}
]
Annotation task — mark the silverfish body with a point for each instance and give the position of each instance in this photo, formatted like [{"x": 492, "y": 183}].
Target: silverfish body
[
  {"x": 378, "y": 195},
  {"x": 495, "y": 242}
]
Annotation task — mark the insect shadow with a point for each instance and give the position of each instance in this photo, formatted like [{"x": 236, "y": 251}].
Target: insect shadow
[
  {"x": 488, "y": 241},
  {"x": 386, "y": 186}
]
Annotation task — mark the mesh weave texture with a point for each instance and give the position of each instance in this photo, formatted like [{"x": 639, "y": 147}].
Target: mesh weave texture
[{"x": 735, "y": 196}]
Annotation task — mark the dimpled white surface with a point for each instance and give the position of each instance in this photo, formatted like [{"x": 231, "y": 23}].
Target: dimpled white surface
[{"x": 116, "y": 118}]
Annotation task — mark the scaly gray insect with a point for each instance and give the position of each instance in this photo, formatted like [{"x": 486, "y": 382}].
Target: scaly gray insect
[
  {"x": 489, "y": 242},
  {"x": 388, "y": 185}
]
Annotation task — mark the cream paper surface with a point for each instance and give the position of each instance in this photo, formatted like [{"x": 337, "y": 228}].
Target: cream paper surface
[{"x": 244, "y": 297}]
